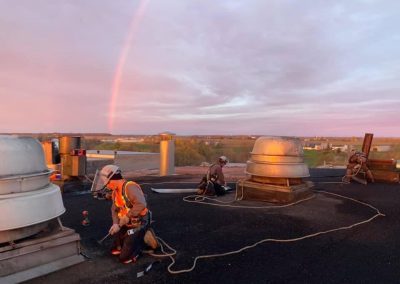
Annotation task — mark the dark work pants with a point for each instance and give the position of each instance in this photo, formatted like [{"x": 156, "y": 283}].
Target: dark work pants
[
  {"x": 131, "y": 245},
  {"x": 219, "y": 190}
]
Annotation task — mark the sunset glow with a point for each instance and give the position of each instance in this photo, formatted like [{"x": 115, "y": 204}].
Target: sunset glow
[{"x": 200, "y": 67}]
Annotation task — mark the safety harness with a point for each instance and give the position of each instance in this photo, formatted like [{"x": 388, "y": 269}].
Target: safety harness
[
  {"x": 208, "y": 185},
  {"x": 209, "y": 176},
  {"x": 123, "y": 203}
]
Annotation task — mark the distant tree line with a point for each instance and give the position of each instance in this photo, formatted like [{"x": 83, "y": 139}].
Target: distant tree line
[
  {"x": 195, "y": 151},
  {"x": 188, "y": 152},
  {"x": 93, "y": 144}
]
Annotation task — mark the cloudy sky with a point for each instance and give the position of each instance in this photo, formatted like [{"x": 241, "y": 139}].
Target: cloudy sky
[{"x": 293, "y": 68}]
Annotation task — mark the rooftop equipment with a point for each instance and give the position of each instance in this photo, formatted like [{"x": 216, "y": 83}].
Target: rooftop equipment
[
  {"x": 31, "y": 235},
  {"x": 167, "y": 154},
  {"x": 275, "y": 171},
  {"x": 382, "y": 170},
  {"x": 73, "y": 158}
]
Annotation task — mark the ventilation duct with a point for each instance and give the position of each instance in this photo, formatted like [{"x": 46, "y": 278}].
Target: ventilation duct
[{"x": 167, "y": 154}]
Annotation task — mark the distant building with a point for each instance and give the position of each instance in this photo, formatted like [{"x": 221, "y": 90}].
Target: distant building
[
  {"x": 123, "y": 140},
  {"x": 381, "y": 148},
  {"x": 210, "y": 143},
  {"x": 316, "y": 145},
  {"x": 130, "y": 140},
  {"x": 342, "y": 148}
]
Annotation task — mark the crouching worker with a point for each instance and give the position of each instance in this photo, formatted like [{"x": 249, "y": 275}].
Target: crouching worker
[
  {"x": 213, "y": 183},
  {"x": 357, "y": 163},
  {"x": 130, "y": 216}
]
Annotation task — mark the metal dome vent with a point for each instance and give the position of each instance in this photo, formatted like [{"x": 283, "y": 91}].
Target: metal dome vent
[
  {"x": 27, "y": 199},
  {"x": 275, "y": 171},
  {"x": 32, "y": 240}
]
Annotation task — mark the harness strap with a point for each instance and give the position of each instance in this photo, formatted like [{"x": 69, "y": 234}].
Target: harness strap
[
  {"x": 209, "y": 176},
  {"x": 124, "y": 196},
  {"x": 128, "y": 202}
]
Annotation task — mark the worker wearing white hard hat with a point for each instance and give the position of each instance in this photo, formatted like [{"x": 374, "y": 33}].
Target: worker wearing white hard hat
[
  {"x": 213, "y": 183},
  {"x": 131, "y": 218}
]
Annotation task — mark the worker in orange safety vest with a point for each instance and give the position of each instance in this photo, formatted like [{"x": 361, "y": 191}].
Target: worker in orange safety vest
[{"x": 130, "y": 216}]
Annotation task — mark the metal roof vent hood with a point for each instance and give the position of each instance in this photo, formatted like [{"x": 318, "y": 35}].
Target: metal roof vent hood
[
  {"x": 275, "y": 171},
  {"x": 29, "y": 204},
  {"x": 27, "y": 198},
  {"x": 22, "y": 166}
]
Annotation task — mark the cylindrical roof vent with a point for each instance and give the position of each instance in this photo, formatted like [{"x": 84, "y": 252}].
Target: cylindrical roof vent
[
  {"x": 276, "y": 170},
  {"x": 167, "y": 154},
  {"x": 20, "y": 156},
  {"x": 69, "y": 143},
  {"x": 27, "y": 199},
  {"x": 277, "y": 157}
]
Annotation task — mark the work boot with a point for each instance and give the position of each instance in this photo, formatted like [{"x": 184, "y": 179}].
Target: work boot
[
  {"x": 150, "y": 239},
  {"x": 130, "y": 260},
  {"x": 115, "y": 252}
]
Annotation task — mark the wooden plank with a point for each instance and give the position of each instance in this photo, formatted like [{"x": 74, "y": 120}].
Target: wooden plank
[
  {"x": 366, "y": 147},
  {"x": 273, "y": 193},
  {"x": 277, "y": 181},
  {"x": 386, "y": 176},
  {"x": 382, "y": 164}
]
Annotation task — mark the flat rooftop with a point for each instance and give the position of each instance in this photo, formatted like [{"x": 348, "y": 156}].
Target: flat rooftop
[{"x": 368, "y": 253}]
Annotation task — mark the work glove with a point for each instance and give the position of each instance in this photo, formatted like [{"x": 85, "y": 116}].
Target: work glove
[
  {"x": 114, "y": 229},
  {"x": 123, "y": 221}
]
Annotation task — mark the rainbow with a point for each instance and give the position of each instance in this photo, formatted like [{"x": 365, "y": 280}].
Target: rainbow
[{"x": 136, "y": 18}]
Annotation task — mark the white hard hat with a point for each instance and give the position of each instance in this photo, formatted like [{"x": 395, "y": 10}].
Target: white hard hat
[
  {"x": 110, "y": 170},
  {"x": 223, "y": 159},
  {"x": 103, "y": 176}
]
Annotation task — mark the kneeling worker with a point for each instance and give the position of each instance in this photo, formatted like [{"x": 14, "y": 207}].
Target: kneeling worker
[
  {"x": 130, "y": 216},
  {"x": 357, "y": 162},
  {"x": 213, "y": 183}
]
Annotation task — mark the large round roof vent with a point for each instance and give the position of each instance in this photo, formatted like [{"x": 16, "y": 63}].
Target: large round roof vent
[
  {"x": 27, "y": 199},
  {"x": 275, "y": 171},
  {"x": 277, "y": 157}
]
